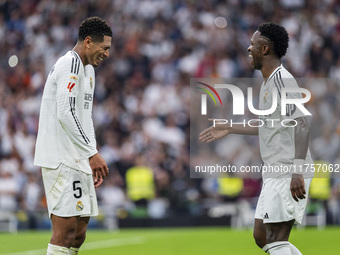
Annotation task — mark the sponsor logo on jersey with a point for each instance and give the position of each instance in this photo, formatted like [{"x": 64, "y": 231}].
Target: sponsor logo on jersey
[
  {"x": 79, "y": 206},
  {"x": 265, "y": 216},
  {"x": 91, "y": 83},
  {"x": 72, "y": 77},
  {"x": 87, "y": 97}
]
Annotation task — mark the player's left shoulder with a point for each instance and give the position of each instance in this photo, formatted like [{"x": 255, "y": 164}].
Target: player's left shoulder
[
  {"x": 286, "y": 78},
  {"x": 89, "y": 70},
  {"x": 284, "y": 73}
]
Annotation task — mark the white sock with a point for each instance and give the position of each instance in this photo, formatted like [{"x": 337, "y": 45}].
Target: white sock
[
  {"x": 73, "y": 251},
  {"x": 56, "y": 250},
  {"x": 294, "y": 250},
  {"x": 278, "y": 248}
]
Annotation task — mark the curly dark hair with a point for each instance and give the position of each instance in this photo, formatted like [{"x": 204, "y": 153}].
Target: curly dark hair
[
  {"x": 277, "y": 35},
  {"x": 95, "y": 27}
]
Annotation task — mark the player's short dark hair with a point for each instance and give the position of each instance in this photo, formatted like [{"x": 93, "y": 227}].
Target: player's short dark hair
[
  {"x": 277, "y": 35},
  {"x": 94, "y": 27}
]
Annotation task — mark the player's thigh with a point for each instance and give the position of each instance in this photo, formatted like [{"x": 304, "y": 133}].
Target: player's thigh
[
  {"x": 82, "y": 226},
  {"x": 278, "y": 231},
  {"x": 64, "y": 223},
  {"x": 81, "y": 232},
  {"x": 259, "y": 233},
  {"x": 64, "y": 230}
]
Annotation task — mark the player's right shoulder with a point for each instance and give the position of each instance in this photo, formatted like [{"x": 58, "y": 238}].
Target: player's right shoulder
[{"x": 68, "y": 64}]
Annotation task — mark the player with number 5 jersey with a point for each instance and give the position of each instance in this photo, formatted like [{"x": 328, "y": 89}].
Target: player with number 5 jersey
[
  {"x": 66, "y": 133},
  {"x": 66, "y": 145}
]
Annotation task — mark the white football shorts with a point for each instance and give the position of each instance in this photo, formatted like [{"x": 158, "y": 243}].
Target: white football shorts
[
  {"x": 69, "y": 192},
  {"x": 276, "y": 203}
]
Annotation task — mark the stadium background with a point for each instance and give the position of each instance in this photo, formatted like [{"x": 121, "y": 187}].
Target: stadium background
[{"x": 142, "y": 101}]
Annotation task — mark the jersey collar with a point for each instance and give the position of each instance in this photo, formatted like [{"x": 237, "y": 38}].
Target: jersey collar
[
  {"x": 77, "y": 55},
  {"x": 274, "y": 72}
]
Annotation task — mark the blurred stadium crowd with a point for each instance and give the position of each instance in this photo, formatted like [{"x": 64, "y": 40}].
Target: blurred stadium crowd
[{"x": 142, "y": 99}]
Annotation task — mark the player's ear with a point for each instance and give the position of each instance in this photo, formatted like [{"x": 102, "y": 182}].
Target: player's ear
[
  {"x": 87, "y": 41},
  {"x": 265, "y": 49}
]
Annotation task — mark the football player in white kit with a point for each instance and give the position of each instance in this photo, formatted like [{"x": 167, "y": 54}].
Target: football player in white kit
[
  {"x": 282, "y": 201},
  {"x": 66, "y": 145}
]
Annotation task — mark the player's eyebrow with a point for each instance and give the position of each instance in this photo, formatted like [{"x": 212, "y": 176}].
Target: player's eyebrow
[{"x": 105, "y": 47}]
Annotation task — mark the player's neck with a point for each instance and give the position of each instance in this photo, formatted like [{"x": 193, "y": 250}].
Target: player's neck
[
  {"x": 269, "y": 67},
  {"x": 81, "y": 53}
]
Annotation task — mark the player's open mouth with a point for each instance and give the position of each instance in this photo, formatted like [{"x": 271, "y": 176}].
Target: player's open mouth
[
  {"x": 99, "y": 59},
  {"x": 252, "y": 59}
]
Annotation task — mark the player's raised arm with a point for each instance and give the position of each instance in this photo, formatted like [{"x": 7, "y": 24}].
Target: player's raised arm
[{"x": 219, "y": 130}]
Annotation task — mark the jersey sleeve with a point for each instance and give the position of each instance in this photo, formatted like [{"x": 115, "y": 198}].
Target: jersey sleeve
[
  {"x": 292, "y": 112},
  {"x": 92, "y": 134},
  {"x": 67, "y": 95}
]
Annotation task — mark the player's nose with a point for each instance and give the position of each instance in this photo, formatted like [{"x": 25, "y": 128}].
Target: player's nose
[{"x": 107, "y": 53}]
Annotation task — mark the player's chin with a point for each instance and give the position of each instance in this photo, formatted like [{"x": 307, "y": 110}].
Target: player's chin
[
  {"x": 255, "y": 67},
  {"x": 96, "y": 62}
]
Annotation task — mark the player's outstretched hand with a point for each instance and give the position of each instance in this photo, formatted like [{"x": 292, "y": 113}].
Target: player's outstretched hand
[
  {"x": 99, "y": 169},
  {"x": 297, "y": 187},
  {"x": 214, "y": 132}
]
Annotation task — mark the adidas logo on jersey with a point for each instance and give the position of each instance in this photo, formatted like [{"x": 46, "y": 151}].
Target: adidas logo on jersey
[{"x": 266, "y": 216}]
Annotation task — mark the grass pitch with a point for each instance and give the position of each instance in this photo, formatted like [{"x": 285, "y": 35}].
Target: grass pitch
[{"x": 170, "y": 241}]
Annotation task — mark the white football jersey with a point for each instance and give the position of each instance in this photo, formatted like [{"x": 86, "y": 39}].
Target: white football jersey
[
  {"x": 277, "y": 141},
  {"x": 66, "y": 133}
]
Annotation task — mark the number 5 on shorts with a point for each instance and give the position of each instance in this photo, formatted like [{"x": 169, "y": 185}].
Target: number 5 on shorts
[{"x": 78, "y": 192}]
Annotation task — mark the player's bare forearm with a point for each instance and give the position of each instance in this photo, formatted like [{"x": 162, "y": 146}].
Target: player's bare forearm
[
  {"x": 244, "y": 130},
  {"x": 301, "y": 138},
  {"x": 218, "y": 131},
  {"x": 301, "y": 132}
]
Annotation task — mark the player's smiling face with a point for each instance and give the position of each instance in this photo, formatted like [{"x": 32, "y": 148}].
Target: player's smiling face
[
  {"x": 98, "y": 51},
  {"x": 255, "y": 50}
]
